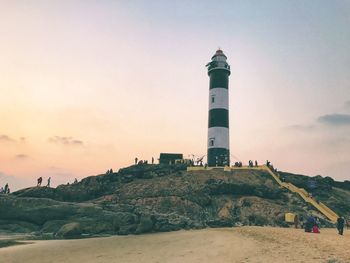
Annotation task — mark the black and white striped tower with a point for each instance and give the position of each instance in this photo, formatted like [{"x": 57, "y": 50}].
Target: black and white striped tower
[{"x": 218, "y": 121}]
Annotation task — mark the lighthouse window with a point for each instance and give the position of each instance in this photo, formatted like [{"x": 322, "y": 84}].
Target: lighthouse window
[
  {"x": 211, "y": 142},
  {"x": 212, "y": 99}
]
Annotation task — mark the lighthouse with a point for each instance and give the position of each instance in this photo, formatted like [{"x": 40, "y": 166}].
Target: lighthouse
[{"x": 218, "y": 121}]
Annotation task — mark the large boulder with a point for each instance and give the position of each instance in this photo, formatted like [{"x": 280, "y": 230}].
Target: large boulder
[{"x": 70, "y": 230}]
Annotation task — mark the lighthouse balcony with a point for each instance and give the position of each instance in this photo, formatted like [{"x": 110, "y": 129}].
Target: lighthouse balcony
[{"x": 215, "y": 66}]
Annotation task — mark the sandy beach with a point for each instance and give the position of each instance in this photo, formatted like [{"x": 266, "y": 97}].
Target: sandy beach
[{"x": 244, "y": 244}]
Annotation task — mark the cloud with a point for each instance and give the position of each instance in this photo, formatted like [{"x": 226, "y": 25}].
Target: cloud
[
  {"x": 335, "y": 119},
  {"x": 66, "y": 140},
  {"x": 300, "y": 127},
  {"x": 22, "y": 156},
  {"x": 6, "y": 138}
]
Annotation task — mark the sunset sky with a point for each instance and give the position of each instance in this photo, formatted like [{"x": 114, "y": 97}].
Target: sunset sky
[{"x": 89, "y": 85}]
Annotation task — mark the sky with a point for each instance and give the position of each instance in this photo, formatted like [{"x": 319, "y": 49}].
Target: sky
[{"x": 89, "y": 85}]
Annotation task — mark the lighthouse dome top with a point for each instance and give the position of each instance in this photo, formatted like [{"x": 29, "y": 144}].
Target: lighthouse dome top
[{"x": 219, "y": 53}]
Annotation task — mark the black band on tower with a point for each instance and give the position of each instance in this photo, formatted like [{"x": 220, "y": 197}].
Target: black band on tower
[
  {"x": 218, "y": 79},
  {"x": 218, "y": 118}
]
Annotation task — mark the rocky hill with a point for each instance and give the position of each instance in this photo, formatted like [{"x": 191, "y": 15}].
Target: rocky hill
[{"x": 155, "y": 198}]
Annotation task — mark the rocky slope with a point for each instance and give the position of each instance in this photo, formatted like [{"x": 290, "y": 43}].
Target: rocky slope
[{"x": 155, "y": 198}]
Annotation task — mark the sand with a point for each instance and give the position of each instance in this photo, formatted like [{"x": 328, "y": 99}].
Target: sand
[{"x": 243, "y": 244}]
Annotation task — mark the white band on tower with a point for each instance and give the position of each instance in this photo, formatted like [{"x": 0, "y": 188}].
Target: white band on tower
[
  {"x": 220, "y": 135},
  {"x": 218, "y": 98}
]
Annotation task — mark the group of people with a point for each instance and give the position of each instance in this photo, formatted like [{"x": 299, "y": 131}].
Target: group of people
[
  {"x": 5, "y": 189},
  {"x": 238, "y": 164},
  {"x": 251, "y": 164},
  {"x": 192, "y": 163},
  {"x": 109, "y": 171},
  {"x": 312, "y": 225},
  {"x": 76, "y": 180},
  {"x": 40, "y": 180},
  {"x": 254, "y": 164},
  {"x": 137, "y": 161}
]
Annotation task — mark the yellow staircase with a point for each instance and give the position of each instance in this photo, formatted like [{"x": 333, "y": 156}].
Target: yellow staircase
[{"x": 325, "y": 210}]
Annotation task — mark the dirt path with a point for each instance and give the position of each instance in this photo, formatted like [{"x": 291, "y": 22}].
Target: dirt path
[{"x": 245, "y": 244}]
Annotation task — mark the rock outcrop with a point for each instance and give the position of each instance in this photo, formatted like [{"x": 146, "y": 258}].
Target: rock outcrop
[{"x": 155, "y": 198}]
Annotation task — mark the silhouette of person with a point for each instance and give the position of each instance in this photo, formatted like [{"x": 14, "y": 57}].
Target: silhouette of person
[
  {"x": 340, "y": 225},
  {"x": 296, "y": 221}
]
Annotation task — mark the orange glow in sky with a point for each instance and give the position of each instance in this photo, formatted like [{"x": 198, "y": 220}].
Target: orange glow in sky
[{"x": 87, "y": 86}]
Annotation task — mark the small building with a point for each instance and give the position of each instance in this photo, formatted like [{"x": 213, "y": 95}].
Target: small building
[
  {"x": 289, "y": 217},
  {"x": 169, "y": 158}
]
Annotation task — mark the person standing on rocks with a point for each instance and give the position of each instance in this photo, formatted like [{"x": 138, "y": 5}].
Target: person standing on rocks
[
  {"x": 48, "y": 182},
  {"x": 5, "y": 188},
  {"x": 152, "y": 160},
  {"x": 340, "y": 225},
  {"x": 136, "y": 159},
  {"x": 40, "y": 180}
]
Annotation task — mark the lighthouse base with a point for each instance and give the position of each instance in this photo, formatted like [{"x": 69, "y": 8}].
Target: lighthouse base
[{"x": 218, "y": 157}]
